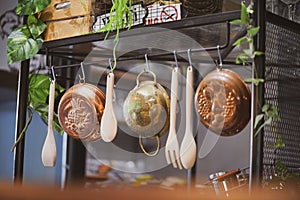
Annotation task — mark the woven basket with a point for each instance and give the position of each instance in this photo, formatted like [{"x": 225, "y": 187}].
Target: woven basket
[{"x": 201, "y": 7}]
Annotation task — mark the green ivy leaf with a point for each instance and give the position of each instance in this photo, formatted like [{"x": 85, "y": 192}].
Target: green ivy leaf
[
  {"x": 236, "y": 22},
  {"x": 258, "y": 118},
  {"x": 36, "y": 26},
  {"x": 258, "y": 53},
  {"x": 279, "y": 141},
  {"x": 265, "y": 107},
  {"x": 244, "y": 15},
  {"x": 267, "y": 122},
  {"x": 240, "y": 41},
  {"x": 30, "y": 7},
  {"x": 253, "y": 31},
  {"x": 250, "y": 10},
  {"x": 255, "y": 81},
  {"x": 248, "y": 52},
  {"x": 38, "y": 93},
  {"x": 20, "y": 45},
  {"x": 241, "y": 59}
]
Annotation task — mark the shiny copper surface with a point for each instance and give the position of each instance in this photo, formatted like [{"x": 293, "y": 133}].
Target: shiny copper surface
[
  {"x": 80, "y": 111},
  {"x": 222, "y": 102}
]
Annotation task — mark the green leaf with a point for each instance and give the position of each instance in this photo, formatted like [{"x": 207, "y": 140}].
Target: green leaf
[
  {"x": 250, "y": 10},
  {"x": 240, "y": 41},
  {"x": 236, "y": 22},
  {"x": 241, "y": 59},
  {"x": 258, "y": 118},
  {"x": 265, "y": 107},
  {"x": 248, "y": 52},
  {"x": 38, "y": 93},
  {"x": 258, "y": 53},
  {"x": 244, "y": 15},
  {"x": 267, "y": 122},
  {"x": 30, "y": 7},
  {"x": 36, "y": 26},
  {"x": 253, "y": 31},
  {"x": 279, "y": 141},
  {"x": 20, "y": 46},
  {"x": 255, "y": 81}
]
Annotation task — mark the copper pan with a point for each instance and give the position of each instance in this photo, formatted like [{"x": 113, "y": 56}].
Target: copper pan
[
  {"x": 222, "y": 101},
  {"x": 80, "y": 111}
]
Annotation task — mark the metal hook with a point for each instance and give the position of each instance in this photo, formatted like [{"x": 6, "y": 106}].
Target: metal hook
[
  {"x": 189, "y": 56},
  {"x": 110, "y": 65},
  {"x": 82, "y": 79},
  {"x": 220, "y": 58},
  {"x": 53, "y": 73},
  {"x": 147, "y": 68},
  {"x": 175, "y": 58}
]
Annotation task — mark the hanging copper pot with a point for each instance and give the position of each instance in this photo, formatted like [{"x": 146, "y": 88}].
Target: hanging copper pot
[
  {"x": 223, "y": 102},
  {"x": 80, "y": 111},
  {"x": 146, "y": 110}
]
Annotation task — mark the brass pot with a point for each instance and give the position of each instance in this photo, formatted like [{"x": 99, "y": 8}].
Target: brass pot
[
  {"x": 146, "y": 110},
  {"x": 80, "y": 111},
  {"x": 223, "y": 102}
]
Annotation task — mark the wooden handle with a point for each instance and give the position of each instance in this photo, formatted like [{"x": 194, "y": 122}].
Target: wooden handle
[
  {"x": 228, "y": 174},
  {"x": 174, "y": 90},
  {"x": 51, "y": 104},
  {"x": 189, "y": 98}
]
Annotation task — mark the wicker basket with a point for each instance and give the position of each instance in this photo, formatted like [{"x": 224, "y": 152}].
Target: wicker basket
[{"x": 201, "y": 7}]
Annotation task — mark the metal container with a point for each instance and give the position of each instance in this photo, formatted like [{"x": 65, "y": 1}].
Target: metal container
[
  {"x": 223, "y": 102},
  {"x": 80, "y": 111}
]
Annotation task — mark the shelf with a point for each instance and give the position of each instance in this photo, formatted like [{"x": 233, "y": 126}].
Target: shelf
[{"x": 176, "y": 25}]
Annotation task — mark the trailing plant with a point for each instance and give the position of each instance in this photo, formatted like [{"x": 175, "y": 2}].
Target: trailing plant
[
  {"x": 120, "y": 17},
  {"x": 25, "y": 41},
  {"x": 247, "y": 57},
  {"x": 269, "y": 112}
]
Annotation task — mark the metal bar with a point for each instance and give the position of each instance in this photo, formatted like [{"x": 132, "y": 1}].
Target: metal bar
[
  {"x": 283, "y": 22},
  {"x": 23, "y": 84},
  {"x": 259, "y": 44},
  {"x": 223, "y": 46}
]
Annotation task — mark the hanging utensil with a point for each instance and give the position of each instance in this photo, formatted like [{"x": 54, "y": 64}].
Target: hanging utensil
[
  {"x": 222, "y": 101},
  {"x": 108, "y": 127},
  {"x": 80, "y": 111},
  {"x": 49, "y": 148},
  {"x": 188, "y": 145},
  {"x": 172, "y": 147}
]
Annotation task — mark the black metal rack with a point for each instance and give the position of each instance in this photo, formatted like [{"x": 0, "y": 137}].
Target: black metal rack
[{"x": 260, "y": 19}]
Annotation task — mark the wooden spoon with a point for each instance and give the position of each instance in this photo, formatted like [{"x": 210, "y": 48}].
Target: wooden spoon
[
  {"x": 49, "y": 148},
  {"x": 188, "y": 145},
  {"x": 108, "y": 127}
]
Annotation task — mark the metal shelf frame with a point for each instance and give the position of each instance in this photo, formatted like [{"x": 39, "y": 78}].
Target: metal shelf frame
[{"x": 184, "y": 23}]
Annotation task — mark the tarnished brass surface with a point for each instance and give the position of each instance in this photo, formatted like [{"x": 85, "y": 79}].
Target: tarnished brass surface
[{"x": 146, "y": 109}]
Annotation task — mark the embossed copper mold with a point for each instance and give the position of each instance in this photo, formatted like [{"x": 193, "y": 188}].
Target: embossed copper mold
[
  {"x": 80, "y": 111},
  {"x": 222, "y": 102}
]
